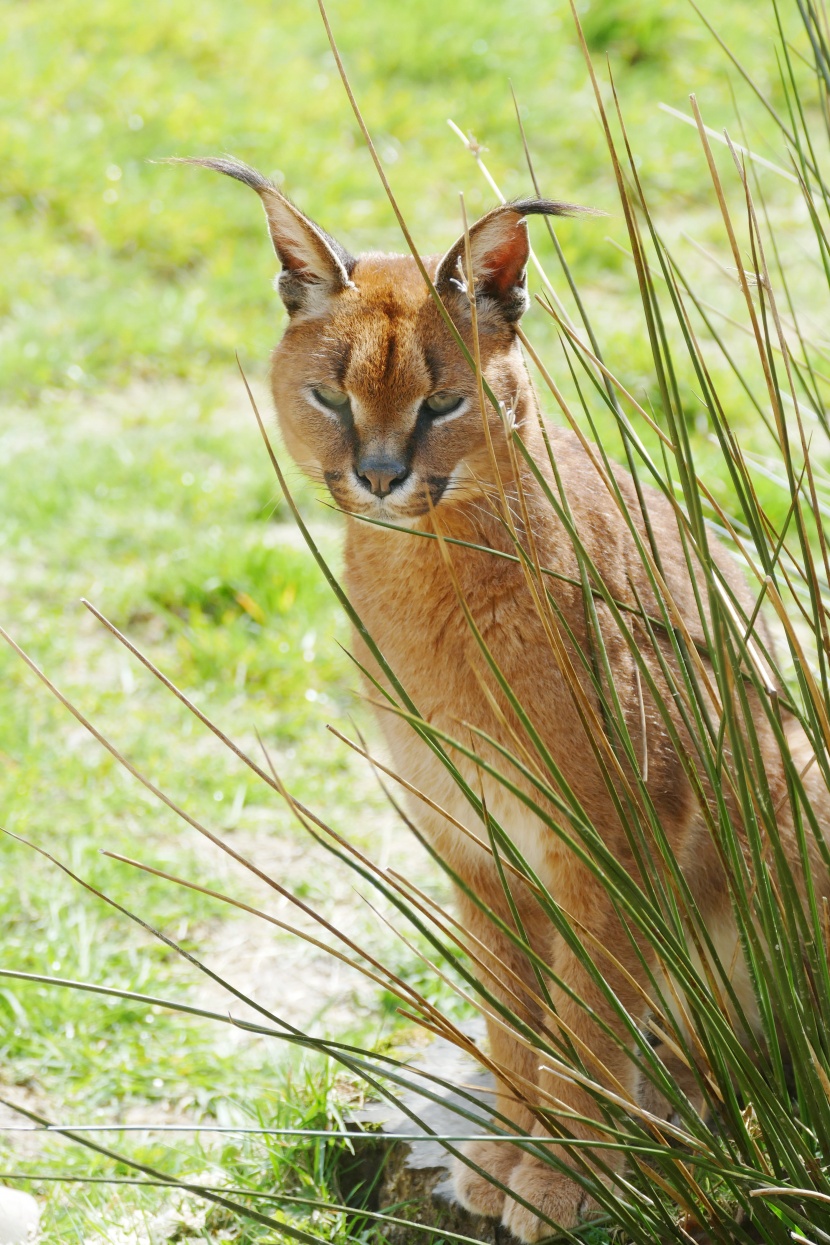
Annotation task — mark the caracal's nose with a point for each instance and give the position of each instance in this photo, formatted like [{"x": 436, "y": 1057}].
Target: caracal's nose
[{"x": 381, "y": 475}]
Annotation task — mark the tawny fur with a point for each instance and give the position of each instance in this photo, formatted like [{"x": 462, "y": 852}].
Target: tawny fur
[{"x": 369, "y": 329}]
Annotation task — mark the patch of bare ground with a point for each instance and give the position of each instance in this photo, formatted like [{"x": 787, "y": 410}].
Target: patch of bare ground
[
  {"x": 305, "y": 985},
  {"x": 23, "y": 1141}
]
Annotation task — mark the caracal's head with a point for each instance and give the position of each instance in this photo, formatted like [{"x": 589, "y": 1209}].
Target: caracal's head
[{"x": 373, "y": 394}]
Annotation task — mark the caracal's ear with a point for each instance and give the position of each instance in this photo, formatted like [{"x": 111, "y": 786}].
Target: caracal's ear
[
  {"x": 315, "y": 268},
  {"x": 499, "y": 248}
]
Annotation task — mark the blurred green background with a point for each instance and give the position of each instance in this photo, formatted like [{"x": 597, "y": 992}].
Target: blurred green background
[
  {"x": 131, "y": 473},
  {"x": 116, "y": 269}
]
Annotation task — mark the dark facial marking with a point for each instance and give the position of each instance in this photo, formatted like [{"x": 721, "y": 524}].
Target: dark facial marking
[
  {"x": 390, "y": 354},
  {"x": 431, "y": 363},
  {"x": 423, "y": 423},
  {"x": 341, "y": 363},
  {"x": 437, "y": 485}
]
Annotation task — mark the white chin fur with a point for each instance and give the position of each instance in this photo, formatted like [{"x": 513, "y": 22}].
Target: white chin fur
[{"x": 396, "y": 508}]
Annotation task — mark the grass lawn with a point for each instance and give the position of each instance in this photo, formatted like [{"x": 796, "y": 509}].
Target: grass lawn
[{"x": 131, "y": 473}]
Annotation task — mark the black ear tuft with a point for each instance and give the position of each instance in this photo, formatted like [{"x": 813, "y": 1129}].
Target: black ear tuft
[
  {"x": 314, "y": 266},
  {"x": 499, "y": 249},
  {"x": 548, "y": 207},
  {"x": 231, "y": 167}
]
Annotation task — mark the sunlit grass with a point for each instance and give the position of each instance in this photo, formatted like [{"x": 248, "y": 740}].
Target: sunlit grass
[{"x": 115, "y": 269}]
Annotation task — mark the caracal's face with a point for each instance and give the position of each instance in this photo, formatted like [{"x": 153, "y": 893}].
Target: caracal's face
[
  {"x": 374, "y": 395},
  {"x": 376, "y": 400}
]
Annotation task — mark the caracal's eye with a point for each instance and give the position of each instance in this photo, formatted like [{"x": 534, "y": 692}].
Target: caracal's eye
[
  {"x": 442, "y": 403},
  {"x": 334, "y": 399}
]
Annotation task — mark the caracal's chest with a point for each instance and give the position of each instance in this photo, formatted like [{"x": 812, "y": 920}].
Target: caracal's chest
[{"x": 411, "y": 606}]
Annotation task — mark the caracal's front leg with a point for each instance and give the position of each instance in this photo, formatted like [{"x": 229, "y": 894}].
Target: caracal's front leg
[
  {"x": 555, "y": 1196},
  {"x": 514, "y": 1091}
]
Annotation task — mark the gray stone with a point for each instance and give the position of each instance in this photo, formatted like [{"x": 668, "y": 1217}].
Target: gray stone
[
  {"x": 19, "y": 1216},
  {"x": 412, "y": 1179}
]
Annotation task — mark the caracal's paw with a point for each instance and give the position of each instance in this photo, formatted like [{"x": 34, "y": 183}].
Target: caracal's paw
[
  {"x": 554, "y": 1195},
  {"x": 474, "y": 1191}
]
